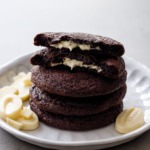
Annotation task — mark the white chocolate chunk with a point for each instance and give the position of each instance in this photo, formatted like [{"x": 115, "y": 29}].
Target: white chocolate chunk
[
  {"x": 14, "y": 123},
  {"x": 24, "y": 94},
  {"x": 23, "y": 85},
  {"x": 23, "y": 90},
  {"x": 29, "y": 124},
  {"x": 27, "y": 82},
  {"x": 29, "y": 75},
  {"x": 71, "y": 45},
  {"x": 129, "y": 120},
  {"x": 8, "y": 90},
  {"x": 26, "y": 113},
  {"x": 2, "y": 112},
  {"x": 10, "y": 106},
  {"x": 19, "y": 76}
]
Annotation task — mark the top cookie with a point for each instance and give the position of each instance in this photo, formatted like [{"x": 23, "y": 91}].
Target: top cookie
[{"x": 80, "y": 41}]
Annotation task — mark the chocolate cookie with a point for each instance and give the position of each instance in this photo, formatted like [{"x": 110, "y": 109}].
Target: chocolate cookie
[
  {"x": 111, "y": 67},
  {"x": 80, "y": 41},
  {"x": 74, "y": 84},
  {"x": 78, "y": 123},
  {"x": 71, "y": 106}
]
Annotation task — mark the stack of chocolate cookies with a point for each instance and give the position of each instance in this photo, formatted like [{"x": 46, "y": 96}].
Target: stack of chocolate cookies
[{"x": 78, "y": 80}]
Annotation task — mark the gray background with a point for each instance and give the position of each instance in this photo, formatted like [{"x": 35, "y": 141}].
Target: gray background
[{"x": 125, "y": 20}]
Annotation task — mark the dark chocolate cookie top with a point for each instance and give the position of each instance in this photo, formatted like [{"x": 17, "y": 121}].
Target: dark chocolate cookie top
[
  {"x": 74, "y": 84},
  {"x": 75, "y": 122},
  {"x": 71, "y": 106},
  {"x": 47, "y": 39}
]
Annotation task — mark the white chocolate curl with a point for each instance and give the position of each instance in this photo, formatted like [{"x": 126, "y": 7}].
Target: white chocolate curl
[{"x": 129, "y": 120}]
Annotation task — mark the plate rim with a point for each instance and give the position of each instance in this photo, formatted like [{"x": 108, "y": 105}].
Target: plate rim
[{"x": 26, "y": 136}]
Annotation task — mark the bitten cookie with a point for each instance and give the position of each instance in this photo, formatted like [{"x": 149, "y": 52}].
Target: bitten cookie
[
  {"x": 71, "y": 106},
  {"x": 78, "y": 123},
  {"x": 108, "y": 66},
  {"x": 80, "y": 41},
  {"x": 74, "y": 84}
]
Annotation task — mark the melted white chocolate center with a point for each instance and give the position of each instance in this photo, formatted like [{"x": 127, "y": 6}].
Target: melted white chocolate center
[
  {"x": 71, "y": 45},
  {"x": 76, "y": 63}
]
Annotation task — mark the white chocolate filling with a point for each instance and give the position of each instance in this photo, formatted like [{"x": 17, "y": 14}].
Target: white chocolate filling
[
  {"x": 76, "y": 63},
  {"x": 71, "y": 45}
]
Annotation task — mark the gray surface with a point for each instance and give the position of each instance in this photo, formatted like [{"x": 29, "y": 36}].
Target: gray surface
[{"x": 125, "y": 20}]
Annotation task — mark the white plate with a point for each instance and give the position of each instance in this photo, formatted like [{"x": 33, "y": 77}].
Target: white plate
[{"x": 138, "y": 95}]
